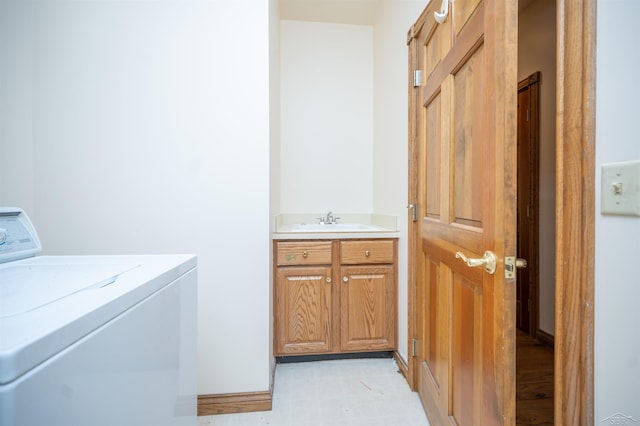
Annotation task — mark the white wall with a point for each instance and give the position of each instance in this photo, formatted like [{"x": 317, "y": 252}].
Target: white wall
[
  {"x": 274, "y": 123},
  {"x": 16, "y": 98},
  {"x": 274, "y": 108},
  {"x": 536, "y": 52},
  {"x": 146, "y": 130},
  {"x": 617, "y": 288},
  {"x": 391, "y": 130},
  {"x": 358, "y": 12},
  {"x": 326, "y": 118}
]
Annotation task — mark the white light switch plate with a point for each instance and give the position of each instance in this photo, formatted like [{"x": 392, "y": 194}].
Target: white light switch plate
[{"x": 621, "y": 188}]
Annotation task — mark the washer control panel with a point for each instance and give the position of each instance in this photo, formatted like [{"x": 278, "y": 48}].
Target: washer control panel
[{"x": 18, "y": 237}]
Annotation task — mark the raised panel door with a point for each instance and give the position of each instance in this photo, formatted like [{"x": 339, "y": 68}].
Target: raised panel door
[
  {"x": 464, "y": 146},
  {"x": 368, "y": 308},
  {"x": 303, "y": 308}
]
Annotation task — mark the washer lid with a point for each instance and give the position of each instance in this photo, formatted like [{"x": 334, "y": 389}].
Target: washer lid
[
  {"x": 25, "y": 287},
  {"x": 18, "y": 237}
]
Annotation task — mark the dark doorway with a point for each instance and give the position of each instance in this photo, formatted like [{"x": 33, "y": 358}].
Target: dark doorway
[
  {"x": 534, "y": 360},
  {"x": 528, "y": 202}
]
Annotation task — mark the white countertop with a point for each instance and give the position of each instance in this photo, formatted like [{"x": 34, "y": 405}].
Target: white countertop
[
  {"x": 385, "y": 227},
  {"x": 334, "y": 235}
]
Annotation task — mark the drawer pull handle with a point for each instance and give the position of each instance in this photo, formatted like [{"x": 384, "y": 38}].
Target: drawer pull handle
[
  {"x": 366, "y": 253},
  {"x": 305, "y": 254},
  {"x": 345, "y": 279}
]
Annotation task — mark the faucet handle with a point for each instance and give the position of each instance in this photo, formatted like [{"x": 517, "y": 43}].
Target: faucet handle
[
  {"x": 321, "y": 219},
  {"x": 335, "y": 219}
]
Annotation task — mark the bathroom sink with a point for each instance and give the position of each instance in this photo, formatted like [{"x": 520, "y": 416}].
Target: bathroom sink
[{"x": 330, "y": 227}]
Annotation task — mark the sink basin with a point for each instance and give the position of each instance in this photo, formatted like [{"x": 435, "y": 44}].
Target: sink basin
[{"x": 333, "y": 227}]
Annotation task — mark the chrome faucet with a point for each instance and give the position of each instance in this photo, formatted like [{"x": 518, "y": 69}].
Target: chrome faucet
[{"x": 328, "y": 220}]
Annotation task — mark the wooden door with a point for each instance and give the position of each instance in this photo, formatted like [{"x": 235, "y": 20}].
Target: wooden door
[
  {"x": 303, "y": 310},
  {"x": 463, "y": 182},
  {"x": 368, "y": 308}
]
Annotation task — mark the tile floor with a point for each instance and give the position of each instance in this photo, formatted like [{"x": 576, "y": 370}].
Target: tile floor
[{"x": 353, "y": 392}]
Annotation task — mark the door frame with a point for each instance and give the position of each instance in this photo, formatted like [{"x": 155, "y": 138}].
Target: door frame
[
  {"x": 575, "y": 211},
  {"x": 575, "y": 214}
]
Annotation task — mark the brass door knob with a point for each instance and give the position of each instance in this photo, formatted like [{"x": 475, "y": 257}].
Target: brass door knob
[
  {"x": 305, "y": 254},
  {"x": 488, "y": 260}
]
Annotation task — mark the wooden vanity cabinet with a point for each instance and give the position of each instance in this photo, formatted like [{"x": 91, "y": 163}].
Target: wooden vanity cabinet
[
  {"x": 303, "y": 297},
  {"x": 368, "y": 304},
  {"x": 353, "y": 310}
]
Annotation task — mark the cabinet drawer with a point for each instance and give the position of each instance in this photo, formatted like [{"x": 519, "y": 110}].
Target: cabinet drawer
[
  {"x": 304, "y": 253},
  {"x": 358, "y": 252}
]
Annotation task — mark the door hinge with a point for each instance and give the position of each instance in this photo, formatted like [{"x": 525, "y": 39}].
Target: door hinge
[
  {"x": 414, "y": 212},
  {"x": 414, "y": 347},
  {"x": 417, "y": 78}
]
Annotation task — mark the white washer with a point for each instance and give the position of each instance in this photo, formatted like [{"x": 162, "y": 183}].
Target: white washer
[{"x": 94, "y": 340}]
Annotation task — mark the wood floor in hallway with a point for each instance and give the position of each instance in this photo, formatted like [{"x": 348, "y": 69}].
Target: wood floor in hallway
[{"x": 534, "y": 381}]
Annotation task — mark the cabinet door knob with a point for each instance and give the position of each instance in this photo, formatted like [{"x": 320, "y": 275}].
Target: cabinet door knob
[
  {"x": 328, "y": 279},
  {"x": 366, "y": 253},
  {"x": 345, "y": 279},
  {"x": 305, "y": 254}
]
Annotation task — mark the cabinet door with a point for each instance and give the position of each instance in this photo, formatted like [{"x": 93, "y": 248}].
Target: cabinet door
[
  {"x": 303, "y": 310},
  {"x": 368, "y": 308}
]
